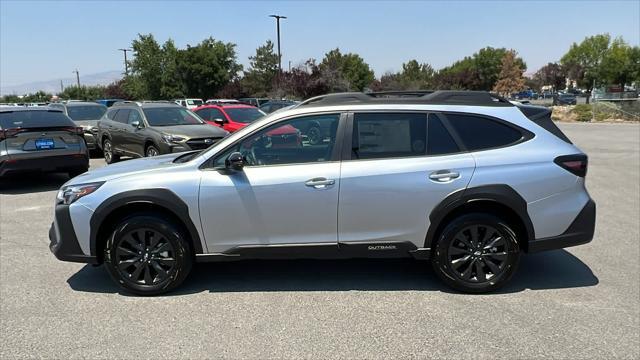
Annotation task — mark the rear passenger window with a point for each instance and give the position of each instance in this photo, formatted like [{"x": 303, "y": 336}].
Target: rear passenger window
[
  {"x": 439, "y": 141},
  {"x": 389, "y": 135},
  {"x": 479, "y": 133}
]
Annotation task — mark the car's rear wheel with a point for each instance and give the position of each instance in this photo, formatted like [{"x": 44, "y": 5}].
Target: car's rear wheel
[
  {"x": 151, "y": 151},
  {"x": 107, "y": 150},
  {"x": 148, "y": 255},
  {"x": 476, "y": 253}
]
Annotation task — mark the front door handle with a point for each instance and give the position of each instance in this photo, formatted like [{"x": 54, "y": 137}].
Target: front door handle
[
  {"x": 444, "y": 175},
  {"x": 319, "y": 183}
]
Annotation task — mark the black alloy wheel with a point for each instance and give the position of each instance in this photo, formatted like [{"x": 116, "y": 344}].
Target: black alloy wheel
[
  {"x": 476, "y": 253},
  {"x": 148, "y": 254}
]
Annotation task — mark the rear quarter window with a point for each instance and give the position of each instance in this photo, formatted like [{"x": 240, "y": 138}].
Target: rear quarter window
[{"x": 479, "y": 133}]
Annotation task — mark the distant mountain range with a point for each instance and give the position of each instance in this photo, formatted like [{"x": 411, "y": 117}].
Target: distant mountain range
[{"x": 53, "y": 86}]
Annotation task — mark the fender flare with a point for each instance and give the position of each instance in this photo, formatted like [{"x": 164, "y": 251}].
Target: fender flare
[
  {"x": 161, "y": 197},
  {"x": 498, "y": 193}
]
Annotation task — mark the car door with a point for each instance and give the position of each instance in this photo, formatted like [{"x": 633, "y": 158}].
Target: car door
[
  {"x": 401, "y": 165},
  {"x": 284, "y": 194},
  {"x": 118, "y": 129},
  {"x": 133, "y": 136}
]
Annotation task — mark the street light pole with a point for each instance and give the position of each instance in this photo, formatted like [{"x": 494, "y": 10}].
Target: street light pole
[
  {"x": 126, "y": 64},
  {"x": 278, "y": 17},
  {"x": 77, "y": 77}
]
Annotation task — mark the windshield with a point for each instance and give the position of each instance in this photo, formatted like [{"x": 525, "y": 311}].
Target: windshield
[
  {"x": 86, "y": 112},
  {"x": 34, "y": 119},
  {"x": 194, "y": 102},
  {"x": 170, "y": 116},
  {"x": 244, "y": 115}
]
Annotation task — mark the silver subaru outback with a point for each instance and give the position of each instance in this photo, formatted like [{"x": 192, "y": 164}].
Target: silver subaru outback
[{"x": 464, "y": 180}]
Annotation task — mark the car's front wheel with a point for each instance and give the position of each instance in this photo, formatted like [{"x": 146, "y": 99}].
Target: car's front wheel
[
  {"x": 152, "y": 151},
  {"x": 107, "y": 151},
  {"x": 476, "y": 253},
  {"x": 148, "y": 255}
]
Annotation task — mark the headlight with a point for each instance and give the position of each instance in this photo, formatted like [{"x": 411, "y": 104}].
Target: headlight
[
  {"x": 69, "y": 194},
  {"x": 172, "y": 138}
]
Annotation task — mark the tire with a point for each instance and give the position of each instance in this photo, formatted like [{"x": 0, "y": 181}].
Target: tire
[
  {"x": 107, "y": 151},
  {"x": 314, "y": 135},
  {"x": 75, "y": 172},
  {"x": 473, "y": 266},
  {"x": 151, "y": 150},
  {"x": 148, "y": 255}
]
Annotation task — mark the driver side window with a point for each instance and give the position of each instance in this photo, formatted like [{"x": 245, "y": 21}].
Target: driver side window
[{"x": 301, "y": 140}]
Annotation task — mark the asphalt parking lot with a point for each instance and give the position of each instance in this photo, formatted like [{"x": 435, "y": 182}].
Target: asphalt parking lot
[{"x": 583, "y": 302}]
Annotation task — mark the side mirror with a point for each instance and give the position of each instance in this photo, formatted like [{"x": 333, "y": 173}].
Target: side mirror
[
  {"x": 219, "y": 121},
  {"x": 235, "y": 161},
  {"x": 136, "y": 124}
]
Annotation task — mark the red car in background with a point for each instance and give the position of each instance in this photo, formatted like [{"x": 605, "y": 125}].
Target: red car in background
[{"x": 233, "y": 117}]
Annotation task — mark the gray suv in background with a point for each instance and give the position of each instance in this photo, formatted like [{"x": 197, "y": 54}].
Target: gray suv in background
[
  {"x": 150, "y": 128},
  {"x": 40, "y": 139},
  {"x": 85, "y": 115}
]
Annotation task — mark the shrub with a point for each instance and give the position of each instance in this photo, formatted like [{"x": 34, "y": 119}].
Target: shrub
[{"x": 582, "y": 112}]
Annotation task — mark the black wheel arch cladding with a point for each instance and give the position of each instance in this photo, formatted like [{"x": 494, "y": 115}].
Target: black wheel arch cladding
[
  {"x": 159, "y": 197},
  {"x": 500, "y": 194}
]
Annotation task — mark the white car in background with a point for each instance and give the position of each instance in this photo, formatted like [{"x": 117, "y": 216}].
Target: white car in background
[{"x": 189, "y": 103}]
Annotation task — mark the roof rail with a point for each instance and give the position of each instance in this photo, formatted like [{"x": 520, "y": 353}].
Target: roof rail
[
  {"x": 442, "y": 97},
  {"x": 140, "y": 102}
]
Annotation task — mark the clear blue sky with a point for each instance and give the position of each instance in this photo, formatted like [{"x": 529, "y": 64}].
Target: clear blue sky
[{"x": 48, "y": 39}]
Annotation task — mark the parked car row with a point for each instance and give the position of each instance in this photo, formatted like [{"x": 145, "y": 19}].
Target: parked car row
[{"x": 265, "y": 104}]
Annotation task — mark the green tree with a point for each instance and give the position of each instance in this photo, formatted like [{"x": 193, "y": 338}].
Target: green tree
[
  {"x": 416, "y": 76},
  {"x": 617, "y": 65},
  {"x": 338, "y": 67},
  {"x": 146, "y": 68},
  {"x": 552, "y": 74},
  {"x": 583, "y": 61},
  {"x": 259, "y": 79},
  {"x": 206, "y": 68},
  {"x": 171, "y": 87},
  {"x": 510, "y": 79}
]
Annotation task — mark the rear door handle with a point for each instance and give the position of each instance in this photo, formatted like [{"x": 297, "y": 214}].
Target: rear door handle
[
  {"x": 319, "y": 183},
  {"x": 444, "y": 175}
]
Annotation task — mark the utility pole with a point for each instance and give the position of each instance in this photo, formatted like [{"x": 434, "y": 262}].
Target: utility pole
[
  {"x": 61, "y": 86},
  {"x": 77, "y": 77},
  {"x": 126, "y": 64},
  {"x": 278, "y": 17}
]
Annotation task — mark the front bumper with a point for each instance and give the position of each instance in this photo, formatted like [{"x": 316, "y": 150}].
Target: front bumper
[
  {"x": 579, "y": 232},
  {"x": 63, "y": 242},
  {"x": 90, "y": 140}
]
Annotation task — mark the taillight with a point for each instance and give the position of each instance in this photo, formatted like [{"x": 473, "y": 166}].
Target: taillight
[
  {"x": 575, "y": 164},
  {"x": 75, "y": 130},
  {"x": 7, "y": 133}
]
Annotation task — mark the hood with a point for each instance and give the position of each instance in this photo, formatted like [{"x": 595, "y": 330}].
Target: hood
[
  {"x": 126, "y": 168},
  {"x": 192, "y": 131}
]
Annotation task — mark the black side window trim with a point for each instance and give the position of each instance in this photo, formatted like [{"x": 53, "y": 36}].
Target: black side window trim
[{"x": 525, "y": 135}]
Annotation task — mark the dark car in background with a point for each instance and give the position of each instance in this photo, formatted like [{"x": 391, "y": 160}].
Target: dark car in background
[
  {"x": 40, "y": 139},
  {"x": 564, "y": 99},
  {"x": 151, "y": 128},
  {"x": 85, "y": 115},
  {"x": 275, "y": 105},
  {"x": 108, "y": 102},
  {"x": 257, "y": 102}
]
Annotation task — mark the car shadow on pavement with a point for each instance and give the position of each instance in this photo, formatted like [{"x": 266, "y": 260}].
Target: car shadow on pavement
[
  {"x": 32, "y": 183},
  {"x": 551, "y": 270}
]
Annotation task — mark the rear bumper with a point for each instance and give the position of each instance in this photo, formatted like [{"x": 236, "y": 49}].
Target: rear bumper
[
  {"x": 63, "y": 242},
  {"x": 579, "y": 232},
  {"x": 45, "y": 164}
]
